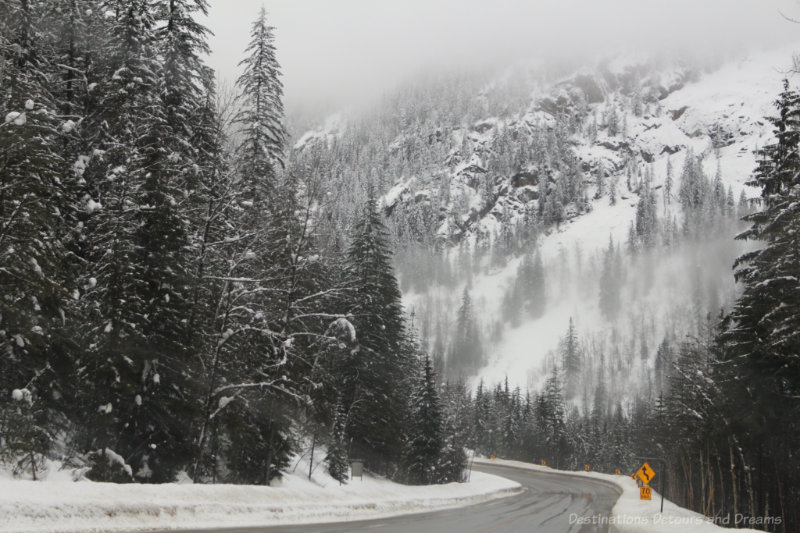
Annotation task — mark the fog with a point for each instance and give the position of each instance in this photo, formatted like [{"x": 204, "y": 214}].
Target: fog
[{"x": 345, "y": 51}]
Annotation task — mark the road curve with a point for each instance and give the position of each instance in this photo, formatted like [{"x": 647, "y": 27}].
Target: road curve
[{"x": 545, "y": 506}]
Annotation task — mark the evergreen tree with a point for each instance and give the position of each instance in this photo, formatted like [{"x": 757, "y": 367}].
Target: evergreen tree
[
  {"x": 761, "y": 336},
  {"x": 764, "y": 326},
  {"x": 38, "y": 315},
  {"x": 466, "y": 353},
  {"x": 646, "y": 218},
  {"x": 373, "y": 382},
  {"x": 337, "y": 449},
  {"x": 668, "y": 183},
  {"x": 28, "y": 435},
  {"x": 610, "y": 281},
  {"x": 425, "y": 440},
  {"x": 261, "y": 118},
  {"x": 552, "y": 416},
  {"x": 571, "y": 361},
  {"x": 138, "y": 243},
  {"x": 530, "y": 284},
  {"x": 457, "y": 407}
]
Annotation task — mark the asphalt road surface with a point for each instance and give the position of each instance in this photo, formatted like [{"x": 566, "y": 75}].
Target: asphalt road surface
[{"x": 544, "y": 507}]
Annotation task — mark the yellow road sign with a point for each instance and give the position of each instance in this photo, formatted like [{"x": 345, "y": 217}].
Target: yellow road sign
[
  {"x": 616, "y": 471},
  {"x": 587, "y": 467},
  {"x": 544, "y": 463},
  {"x": 646, "y": 473},
  {"x": 645, "y": 493},
  {"x": 491, "y": 457}
]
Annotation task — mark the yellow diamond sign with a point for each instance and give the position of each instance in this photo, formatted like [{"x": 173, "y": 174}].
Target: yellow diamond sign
[{"x": 645, "y": 473}]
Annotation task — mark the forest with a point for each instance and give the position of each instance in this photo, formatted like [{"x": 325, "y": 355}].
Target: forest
[
  {"x": 171, "y": 300},
  {"x": 189, "y": 288}
]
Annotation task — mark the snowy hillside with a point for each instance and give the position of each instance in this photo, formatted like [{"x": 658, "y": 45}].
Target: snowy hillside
[
  {"x": 474, "y": 184},
  {"x": 719, "y": 116}
]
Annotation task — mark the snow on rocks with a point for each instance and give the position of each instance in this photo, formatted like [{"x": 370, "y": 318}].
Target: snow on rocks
[{"x": 28, "y": 506}]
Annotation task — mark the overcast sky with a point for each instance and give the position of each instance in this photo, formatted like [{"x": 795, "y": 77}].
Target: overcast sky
[{"x": 343, "y": 51}]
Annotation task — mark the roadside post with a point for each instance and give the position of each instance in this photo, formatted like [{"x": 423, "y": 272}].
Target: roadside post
[{"x": 645, "y": 474}]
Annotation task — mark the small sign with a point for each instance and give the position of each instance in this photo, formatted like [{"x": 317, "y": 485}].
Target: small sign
[
  {"x": 491, "y": 457},
  {"x": 646, "y": 473},
  {"x": 617, "y": 472},
  {"x": 357, "y": 469},
  {"x": 544, "y": 463},
  {"x": 645, "y": 493},
  {"x": 587, "y": 467}
]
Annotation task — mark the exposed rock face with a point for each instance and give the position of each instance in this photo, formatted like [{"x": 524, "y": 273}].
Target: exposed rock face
[{"x": 552, "y": 154}]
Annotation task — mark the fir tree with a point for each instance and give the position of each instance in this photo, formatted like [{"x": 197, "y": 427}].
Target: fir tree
[
  {"x": 668, "y": 183},
  {"x": 571, "y": 361},
  {"x": 372, "y": 388},
  {"x": 261, "y": 117},
  {"x": 425, "y": 440},
  {"x": 764, "y": 326},
  {"x": 138, "y": 244},
  {"x": 610, "y": 281},
  {"x": 337, "y": 449},
  {"x": 37, "y": 267},
  {"x": 465, "y": 351}
]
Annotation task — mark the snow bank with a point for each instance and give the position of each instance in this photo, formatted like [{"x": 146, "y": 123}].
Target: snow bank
[
  {"x": 60, "y": 505},
  {"x": 632, "y": 515}
]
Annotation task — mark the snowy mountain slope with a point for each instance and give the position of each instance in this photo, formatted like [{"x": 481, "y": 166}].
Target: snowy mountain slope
[
  {"x": 724, "y": 110},
  {"x": 464, "y": 173},
  {"x": 719, "y": 116}
]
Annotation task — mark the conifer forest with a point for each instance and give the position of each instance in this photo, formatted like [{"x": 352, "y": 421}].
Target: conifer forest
[{"x": 575, "y": 265}]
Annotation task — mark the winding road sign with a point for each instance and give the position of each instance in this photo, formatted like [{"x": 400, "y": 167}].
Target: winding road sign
[{"x": 646, "y": 473}]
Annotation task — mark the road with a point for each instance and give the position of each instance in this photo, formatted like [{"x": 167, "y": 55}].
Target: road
[{"x": 544, "y": 507}]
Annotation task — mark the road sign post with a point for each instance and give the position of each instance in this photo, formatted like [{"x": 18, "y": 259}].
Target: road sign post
[{"x": 661, "y": 482}]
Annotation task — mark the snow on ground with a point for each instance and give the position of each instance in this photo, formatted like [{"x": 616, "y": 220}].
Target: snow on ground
[
  {"x": 731, "y": 103},
  {"x": 61, "y": 505},
  {"x": 633, "y": 515}
]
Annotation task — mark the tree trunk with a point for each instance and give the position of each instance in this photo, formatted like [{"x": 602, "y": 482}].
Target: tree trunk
[
  {"x": 311, "y": 460},
  {"x": 270, "y": 451},
  {"x": 733, "y": 479},
  {"x": 33, "y": 465},
  {"x": 723, "y": 497}
]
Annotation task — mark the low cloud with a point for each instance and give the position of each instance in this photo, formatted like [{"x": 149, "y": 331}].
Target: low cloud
[{"x": 346, "y": 51}]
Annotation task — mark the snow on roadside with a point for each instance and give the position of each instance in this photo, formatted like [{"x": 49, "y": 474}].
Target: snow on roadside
[
  {"x": 64, "y": 506},
  {"x": 632, "y": 515}
]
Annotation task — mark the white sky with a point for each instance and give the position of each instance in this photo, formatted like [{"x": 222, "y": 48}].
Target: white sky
[{"x": 345, "y": 51}]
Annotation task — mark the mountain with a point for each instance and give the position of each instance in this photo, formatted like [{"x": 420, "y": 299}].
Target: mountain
[{"x": 477, "y": 174}]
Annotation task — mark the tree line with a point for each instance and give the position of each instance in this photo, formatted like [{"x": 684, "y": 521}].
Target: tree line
[
  {"x": 721, "y": 403},
  {"x": 171, "y": 299}
]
